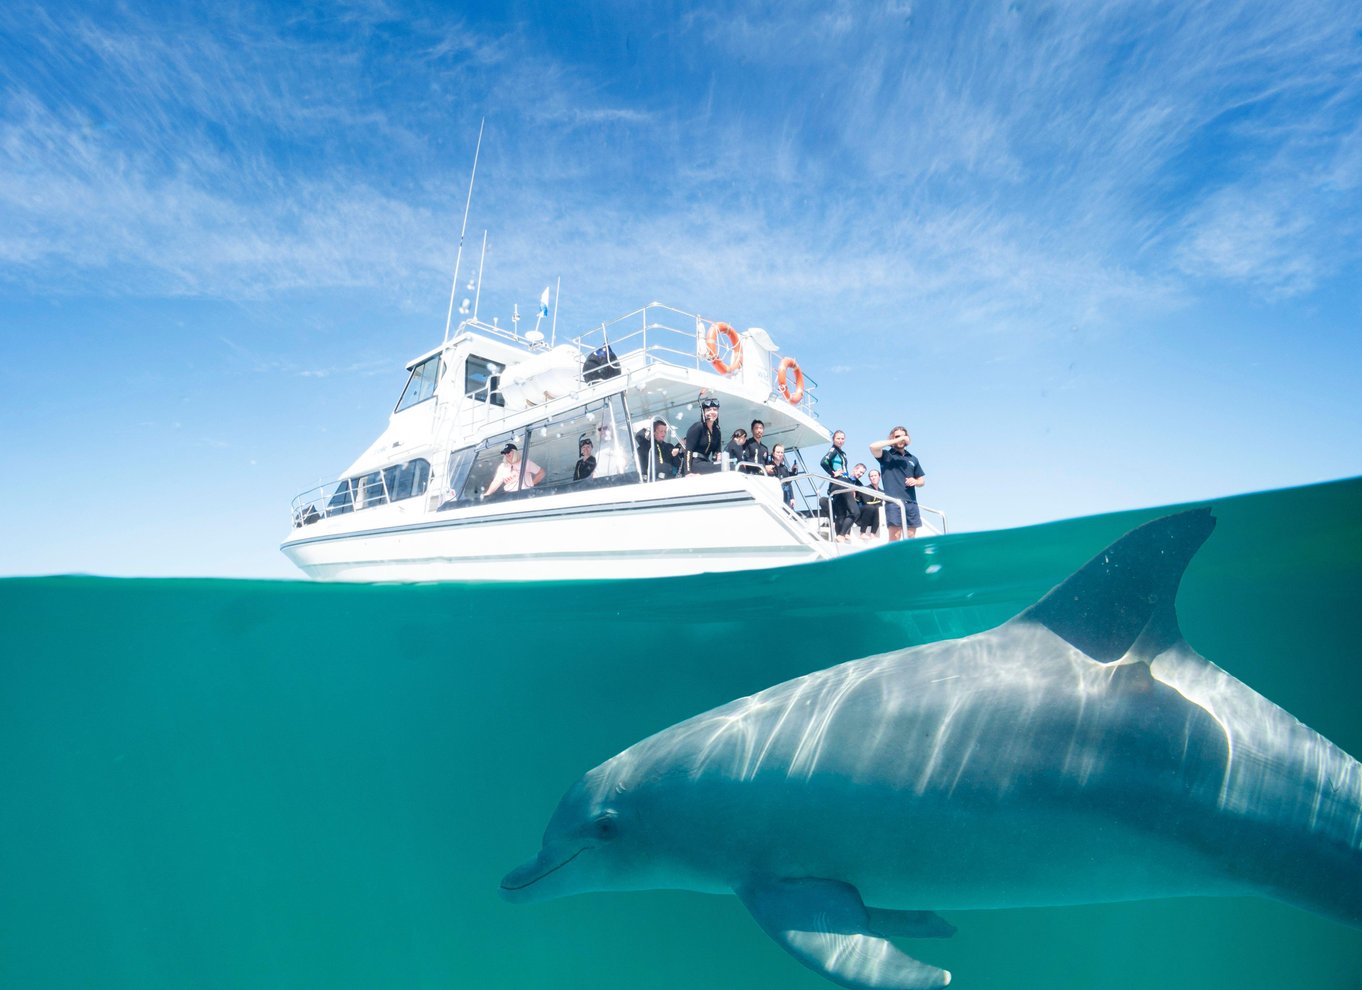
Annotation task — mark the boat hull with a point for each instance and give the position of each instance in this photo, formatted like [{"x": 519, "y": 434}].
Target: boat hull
[{"x": 684, "y": 526}]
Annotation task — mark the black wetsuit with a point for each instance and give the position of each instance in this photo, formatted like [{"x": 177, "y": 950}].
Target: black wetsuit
[
  {"x": 704, "y": 443},
  {"x": 868, "y": 518},
  {"x": 664, "y": 457},
  {"x": 836, "y": 463},
  {"x": 734, "y": 451},
  {"x": 786, "y": 470},
  {"x": 756, "y": 453}
]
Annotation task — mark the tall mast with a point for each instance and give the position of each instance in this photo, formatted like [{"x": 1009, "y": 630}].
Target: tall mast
[
  {"x": 458, "y": 257},
  {"x": 477, "y": 296}
]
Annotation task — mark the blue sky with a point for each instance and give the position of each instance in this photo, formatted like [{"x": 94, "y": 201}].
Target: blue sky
[{"x": 1095, "y": 256}]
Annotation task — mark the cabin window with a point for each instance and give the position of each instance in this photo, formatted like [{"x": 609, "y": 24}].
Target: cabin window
[
  {"x": 392, "y": 484},
  {"x": 553, "y": 445},
  {"x": 482, "y": 380},
  {"x": 556, "y": 445},
  {"x": 421, "y": 385},
  {"x": 342, "y": 499},
  {"x": 371, "y": 490},
  {"x": 485, "y": 464},
  {"x": 408, "y": 480},
  {"x": 459, "y": 463}
]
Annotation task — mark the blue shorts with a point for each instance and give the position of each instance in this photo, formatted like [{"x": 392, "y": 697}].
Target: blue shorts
[{"x": 893, "y": 518}]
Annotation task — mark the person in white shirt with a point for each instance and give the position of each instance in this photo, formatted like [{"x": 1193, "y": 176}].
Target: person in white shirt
[{"x": 508, "y": 476}]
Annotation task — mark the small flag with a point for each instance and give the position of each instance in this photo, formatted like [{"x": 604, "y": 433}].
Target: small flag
[{"x": 544, "y": 302}]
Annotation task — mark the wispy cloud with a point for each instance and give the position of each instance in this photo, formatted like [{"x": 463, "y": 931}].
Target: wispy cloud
[
  {"x": 1125, "y": 128},
  {"x": 256, "y": 361},
  {"x": 1033, "y": 163}
]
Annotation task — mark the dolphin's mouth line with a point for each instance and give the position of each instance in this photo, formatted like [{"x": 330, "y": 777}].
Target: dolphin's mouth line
[{"x": 531, "y": 883}]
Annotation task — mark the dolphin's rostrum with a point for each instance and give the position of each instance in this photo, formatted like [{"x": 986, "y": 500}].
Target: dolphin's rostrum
[{"x": 1081, "y": 752}]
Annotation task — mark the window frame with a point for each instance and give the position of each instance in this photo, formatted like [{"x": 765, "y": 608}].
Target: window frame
[
  {"x": 488, "y": 389},
  {"x": 425, "y": 378}
]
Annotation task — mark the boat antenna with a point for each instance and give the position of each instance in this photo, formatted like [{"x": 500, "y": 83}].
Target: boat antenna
[
  {"x": 553, "y": 330},
  {"x": 458, "y": 256},
  {"x": 477, "y": 296}
]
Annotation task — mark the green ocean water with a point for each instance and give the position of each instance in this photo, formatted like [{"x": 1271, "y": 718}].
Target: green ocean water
[{"x": 278, "y": 784}]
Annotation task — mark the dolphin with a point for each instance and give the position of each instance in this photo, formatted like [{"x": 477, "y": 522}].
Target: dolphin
[{"x": 1081, "y": 752}]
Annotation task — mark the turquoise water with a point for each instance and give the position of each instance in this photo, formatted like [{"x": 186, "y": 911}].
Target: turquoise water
[{"x": 276, "y": 784}]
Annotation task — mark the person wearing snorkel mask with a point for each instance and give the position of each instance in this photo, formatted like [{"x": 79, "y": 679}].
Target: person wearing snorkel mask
[{"x": 704, "y": 440}]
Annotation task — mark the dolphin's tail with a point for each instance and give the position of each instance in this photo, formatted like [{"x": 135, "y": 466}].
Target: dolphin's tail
[{"x": 1123, "y": 598}]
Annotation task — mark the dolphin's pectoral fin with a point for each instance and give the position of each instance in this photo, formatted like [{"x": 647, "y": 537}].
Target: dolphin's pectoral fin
[
  {"x": 824, "y": 925},
  {"x": 1121, "y": 601},
  {"x": 909, "y": 924}
]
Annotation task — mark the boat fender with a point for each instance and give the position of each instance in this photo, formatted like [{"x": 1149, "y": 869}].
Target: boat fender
[
  {"x": 712, "y": 340},
  {"x": 791, "y": 397}
]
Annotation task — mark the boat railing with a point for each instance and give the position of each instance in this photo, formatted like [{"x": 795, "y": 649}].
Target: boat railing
[
  {"x": 658, "y": 334},
  {"x": 652, "y": 335},
  {"x": 819, "y": 507},
  {"x": 333, "y": 499},
  {"x": 393, "y": 484}
]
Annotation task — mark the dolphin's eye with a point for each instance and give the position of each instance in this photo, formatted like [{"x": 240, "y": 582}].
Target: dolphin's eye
[{"x": 605, "y": 827}]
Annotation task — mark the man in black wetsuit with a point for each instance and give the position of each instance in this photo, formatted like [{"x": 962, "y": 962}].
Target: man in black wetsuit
[
  {"x": 657, "y": 458},
  {"x": 704, "y": 440},
  {"x": 754, "y": 452}
]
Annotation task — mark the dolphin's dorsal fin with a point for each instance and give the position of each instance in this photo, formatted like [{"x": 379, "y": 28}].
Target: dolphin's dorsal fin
[
  {"x": 1125, "y": 594},
  {"x": 824, "y": 924}
]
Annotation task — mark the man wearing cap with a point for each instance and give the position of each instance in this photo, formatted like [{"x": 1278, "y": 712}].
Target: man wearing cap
[
  {"x": 508, "y": 476},
  {"x": 586, "y": 460},
  {"x": 703, "y": 439},
  {"x": 657, "y": 458}
]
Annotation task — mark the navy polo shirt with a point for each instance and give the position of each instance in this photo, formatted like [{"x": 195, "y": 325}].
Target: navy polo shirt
[{"x": 896, "y": 469}]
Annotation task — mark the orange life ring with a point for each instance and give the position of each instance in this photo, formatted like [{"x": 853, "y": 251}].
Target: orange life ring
[
  {"x": 712, "y": 339},
  {"x": 791, "y": 397}
]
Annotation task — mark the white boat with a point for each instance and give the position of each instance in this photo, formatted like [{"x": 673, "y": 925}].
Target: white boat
[{"x": 415, "y": 506}]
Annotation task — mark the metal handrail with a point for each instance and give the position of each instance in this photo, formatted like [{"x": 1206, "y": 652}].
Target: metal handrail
[
  {"x": 810, "y": 484},
  {"x": 658, "y": 342},
  {"x": 315, "y": 503},
  {"x": 645, "y": 338}
]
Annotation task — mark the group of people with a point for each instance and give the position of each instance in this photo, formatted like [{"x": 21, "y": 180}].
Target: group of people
[
  {"x": 703, "y": 449},
  {"x": 855, "y": 503},
  {"x": 899, "y": 477}
]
